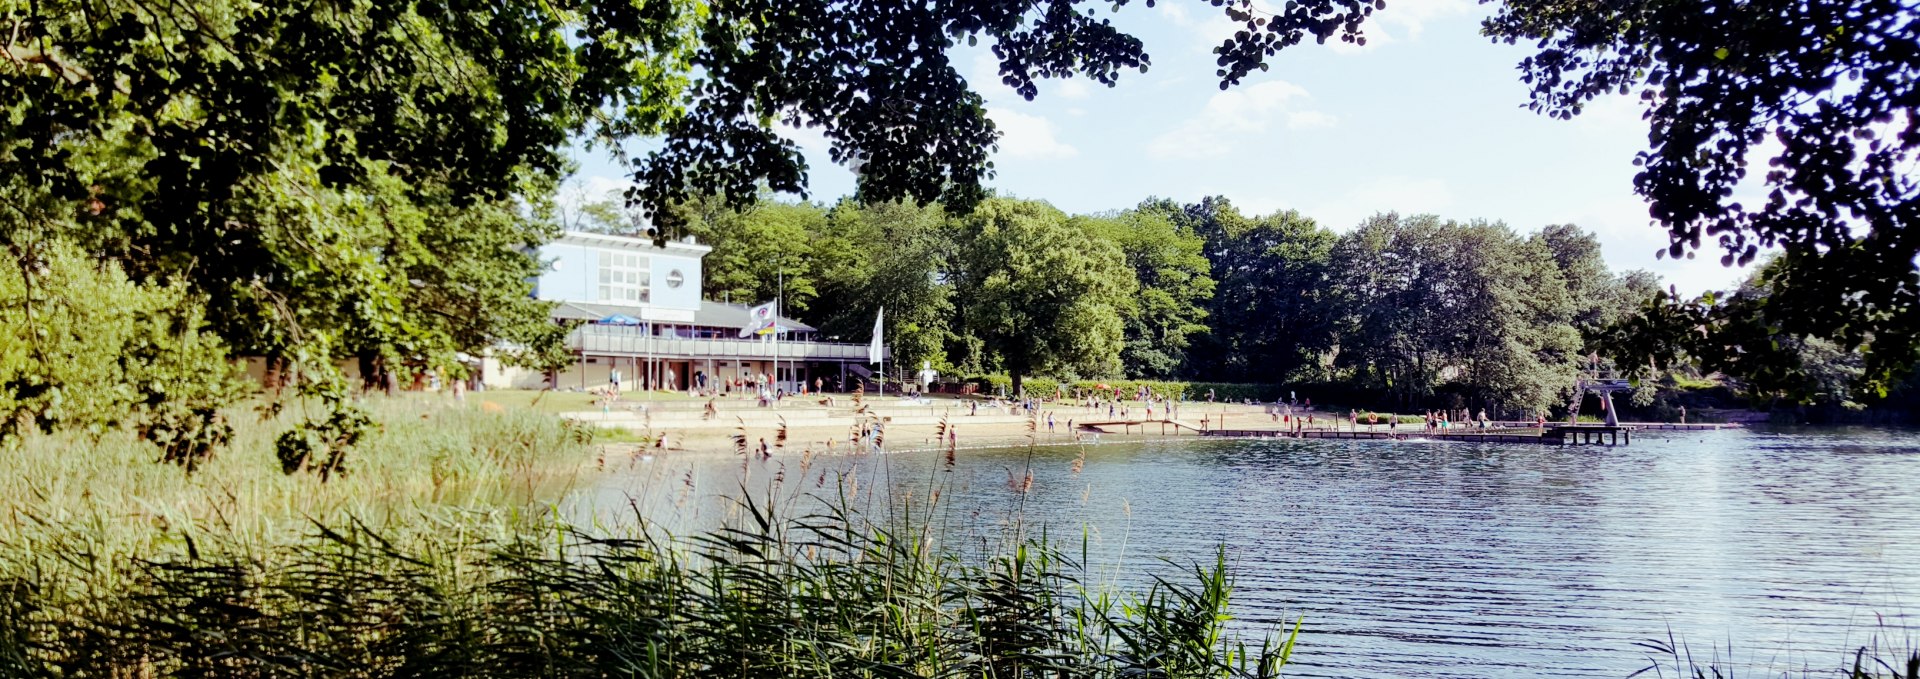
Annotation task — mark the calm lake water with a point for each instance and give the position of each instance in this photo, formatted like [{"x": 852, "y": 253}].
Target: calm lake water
[{"x": 1415, "y": 559}]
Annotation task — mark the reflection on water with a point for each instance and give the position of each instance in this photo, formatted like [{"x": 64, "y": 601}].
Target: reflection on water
[{"x": 1442, "y": 560}]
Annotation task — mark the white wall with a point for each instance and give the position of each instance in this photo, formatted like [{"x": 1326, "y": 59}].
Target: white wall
[{"x": 573, "y": 274}]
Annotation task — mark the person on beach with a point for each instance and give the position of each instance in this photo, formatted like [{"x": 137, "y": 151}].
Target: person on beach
[
  {"x": 953, "y": 436},
  {"x": 1683, "y": 414},
  {"x": 766, "y": 453}
]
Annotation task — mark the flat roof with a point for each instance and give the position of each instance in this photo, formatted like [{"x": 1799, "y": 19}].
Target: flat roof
[
  {"x": 685, "y": 245},
  {"x": 710, "y": 314}
]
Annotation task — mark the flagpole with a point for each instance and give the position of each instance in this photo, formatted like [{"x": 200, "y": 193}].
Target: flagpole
[
  {"x": 883, "y": 352},
  {"x": 779, "y": 294}
]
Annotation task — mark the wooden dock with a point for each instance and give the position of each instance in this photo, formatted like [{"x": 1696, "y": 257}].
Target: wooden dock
[{"x": 1554, "y": 433}]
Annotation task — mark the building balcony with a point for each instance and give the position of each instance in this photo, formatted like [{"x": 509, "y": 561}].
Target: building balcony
[{"x": 623, "y": 341}]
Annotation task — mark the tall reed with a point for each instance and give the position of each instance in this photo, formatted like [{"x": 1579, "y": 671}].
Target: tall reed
[
  {"x": 427, "y": 455},
  {"x": 826, "y": 594}
]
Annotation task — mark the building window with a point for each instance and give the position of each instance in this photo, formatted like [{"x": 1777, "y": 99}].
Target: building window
[{"x": 623, "y": 278}]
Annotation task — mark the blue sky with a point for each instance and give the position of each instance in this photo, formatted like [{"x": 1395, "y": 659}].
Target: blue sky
[{"x": 1428, "y": 117}]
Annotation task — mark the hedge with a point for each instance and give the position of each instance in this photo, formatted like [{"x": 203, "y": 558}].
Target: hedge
[{"x": 1192, "y": 391}]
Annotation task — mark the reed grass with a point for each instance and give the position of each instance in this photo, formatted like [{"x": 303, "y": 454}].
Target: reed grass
[
  {"x": 1878, "y": 659},
  {"x": 826, "y": 594},
  {"x": 426, "y": 455}
]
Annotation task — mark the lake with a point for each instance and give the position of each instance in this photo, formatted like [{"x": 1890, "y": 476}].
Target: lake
[{"x": 1417, "y": 559}]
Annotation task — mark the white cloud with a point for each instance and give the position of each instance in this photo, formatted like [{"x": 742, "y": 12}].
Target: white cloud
[
  {"x": 1075, "y": 88},
  {"x": 1176, "y": 14},
  {"x": 1256, "y": 204},
  {"x": 810, "y": 139},
  {"x": 581, "y": 189},
  {"x": 1405, "y": 195},
  {"x": 1401, "y": 19},
  {"x": 1307, "y": 120},
  {"x": 1233, "y": 117},
  {"x": 1028, "y": 136},
  {"x": 1629, "y": 240},
  {"x": 1412, "y": 16}
]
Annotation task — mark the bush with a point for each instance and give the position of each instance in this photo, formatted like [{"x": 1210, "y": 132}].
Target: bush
[
  {"x": 84, "y": 348},
  {"x": 1193, "y": 391}
]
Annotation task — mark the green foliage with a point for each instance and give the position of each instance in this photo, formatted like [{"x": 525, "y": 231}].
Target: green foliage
[
  {"x": 1733, "y": 334},
  {"x": 893, "y": 256},
  {"x": 755, "y": 247},
  {"x": 1191, "y": 391},
  {"x": 1270, "y": 316},
  {"x": 1722, "y": 79},
  {"x": 1175, "y": 284},
  {"x": 333, "y": 181},
  {"x": 422, "y": 455},
  {"x": 1044, "y": 297},
  {"x": 1428, "y": 302},
  {"x": 84, "y": 348},
  {"x": 322, "y": 446}
]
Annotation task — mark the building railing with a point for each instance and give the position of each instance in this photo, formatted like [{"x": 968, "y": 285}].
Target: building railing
[{"x": 622, "y": 342}]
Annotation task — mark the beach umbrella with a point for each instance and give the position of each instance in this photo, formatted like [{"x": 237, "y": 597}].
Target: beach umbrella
[{"x": 619, "y": 319}]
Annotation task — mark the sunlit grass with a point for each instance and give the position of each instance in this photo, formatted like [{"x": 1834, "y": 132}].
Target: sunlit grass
[{"x": 426, "y": 455}]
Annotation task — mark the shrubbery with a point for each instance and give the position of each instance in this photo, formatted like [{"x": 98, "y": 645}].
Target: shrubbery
[
  {"x": 84, "y": 348},
  {"x": 1192, "y": 391}
]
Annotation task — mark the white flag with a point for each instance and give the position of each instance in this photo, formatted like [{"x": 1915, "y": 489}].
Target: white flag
[
  {"x": 873, "y": 350},
  {"x": 758, "y": 318}
]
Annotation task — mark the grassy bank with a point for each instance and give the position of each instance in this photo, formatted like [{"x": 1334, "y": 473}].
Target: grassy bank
[
  {"x": 425, "y": 456},
  {"x": 436, "y": 554}
]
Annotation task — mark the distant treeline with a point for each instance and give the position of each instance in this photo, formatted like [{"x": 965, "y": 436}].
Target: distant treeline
[
  {"x": 1404, "y": 309},
  {"x": 1401, "y": 311}
]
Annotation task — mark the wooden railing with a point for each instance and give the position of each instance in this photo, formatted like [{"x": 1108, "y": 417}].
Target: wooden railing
[{"x": 590, "y": 340}]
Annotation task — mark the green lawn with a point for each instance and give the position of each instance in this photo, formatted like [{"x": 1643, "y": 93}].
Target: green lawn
[{"x": 566, "y": 401}]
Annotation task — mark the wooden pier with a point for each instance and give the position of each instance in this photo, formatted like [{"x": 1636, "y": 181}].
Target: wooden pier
[{"x": 1554, "y": 433}]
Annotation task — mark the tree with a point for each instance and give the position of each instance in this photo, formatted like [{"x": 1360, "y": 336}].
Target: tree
[
  {"x": 1832, "y": 82},
  {"x": 1170, "y": 266},
  {"x": 1041, "y": 296},
  {"x": 326, "y": 180},
  {"x": 759, "y": 252},
  {"x": 877, "y": 80},
  {"x": 1426, "y": 304},
  {"x": 1269, "y": 315},
  {"x": 893, "y": 256}
]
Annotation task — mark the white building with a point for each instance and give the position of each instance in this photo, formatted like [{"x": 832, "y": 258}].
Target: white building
[{"x": 641, "y": 316}]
